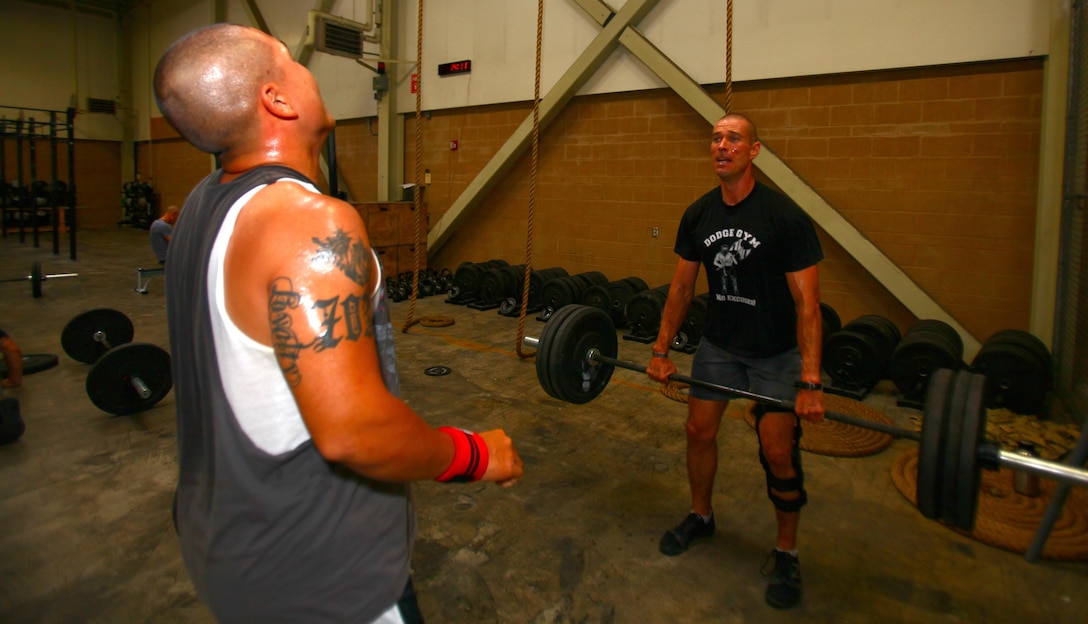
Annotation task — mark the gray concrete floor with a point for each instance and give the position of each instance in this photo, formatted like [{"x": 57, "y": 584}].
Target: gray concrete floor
[{"x": 85, "y": 496}]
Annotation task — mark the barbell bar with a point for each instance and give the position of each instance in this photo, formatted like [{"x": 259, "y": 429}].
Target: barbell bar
[
  {"x": 36, "y": 278},
  {"x": 594, "y": 357},
  {"x": 576, "y": 355}
]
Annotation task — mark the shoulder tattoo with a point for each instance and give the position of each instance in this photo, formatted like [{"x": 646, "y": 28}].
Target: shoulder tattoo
[{"x": 341, "y": 316}]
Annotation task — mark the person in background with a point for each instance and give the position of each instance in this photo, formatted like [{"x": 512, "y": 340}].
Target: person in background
[
  {"x": 295, "y": 450},
  {"x": 762, "y": 334},
  {"x": 161, "y": 230}
]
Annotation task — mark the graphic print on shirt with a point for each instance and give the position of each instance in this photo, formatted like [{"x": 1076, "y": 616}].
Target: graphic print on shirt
[{"x": 734, "y": 245}]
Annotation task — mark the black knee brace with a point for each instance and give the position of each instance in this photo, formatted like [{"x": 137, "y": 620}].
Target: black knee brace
[{"x": 795, "y": 484}]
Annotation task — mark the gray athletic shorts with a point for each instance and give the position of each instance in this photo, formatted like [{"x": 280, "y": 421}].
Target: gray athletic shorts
[{"x": 772, "y": 377}]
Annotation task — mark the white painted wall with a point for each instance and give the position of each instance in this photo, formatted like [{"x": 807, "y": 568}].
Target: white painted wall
[
  {"x": 49, "y": 60},
  {"x": 771, "y": 39}
]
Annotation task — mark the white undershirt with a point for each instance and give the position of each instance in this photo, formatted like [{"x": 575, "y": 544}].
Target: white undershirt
[{"x": 263, "y": 404}]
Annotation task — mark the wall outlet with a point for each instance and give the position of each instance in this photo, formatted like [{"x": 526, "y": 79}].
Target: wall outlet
[
  {"x": 427, "y": 177},
  {"x": 653, "y": 231}
]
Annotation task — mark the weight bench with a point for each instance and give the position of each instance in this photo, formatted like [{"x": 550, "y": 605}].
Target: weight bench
[{"x": 144, "y": 277}]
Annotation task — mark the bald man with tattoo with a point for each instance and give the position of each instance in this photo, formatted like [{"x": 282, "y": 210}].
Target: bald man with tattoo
[{"x": 295, "y": 450}]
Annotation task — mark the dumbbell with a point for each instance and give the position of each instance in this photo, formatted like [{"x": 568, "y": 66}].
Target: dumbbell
[{"x": 126, "y": 377}]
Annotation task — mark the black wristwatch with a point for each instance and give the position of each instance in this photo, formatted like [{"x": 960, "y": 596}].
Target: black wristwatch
[{"x": 807, "y": 385}]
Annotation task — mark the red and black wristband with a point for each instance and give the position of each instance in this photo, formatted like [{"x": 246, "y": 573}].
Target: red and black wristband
[{"x": 469, "y": 457}]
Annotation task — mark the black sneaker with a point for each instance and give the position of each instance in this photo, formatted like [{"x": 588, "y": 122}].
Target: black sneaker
[
  {"x": 785, "y": 588},
  {"x": 676, "y": 541}
]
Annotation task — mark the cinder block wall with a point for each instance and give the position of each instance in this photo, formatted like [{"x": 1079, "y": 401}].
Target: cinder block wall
[{"x": 936, "y": 166}]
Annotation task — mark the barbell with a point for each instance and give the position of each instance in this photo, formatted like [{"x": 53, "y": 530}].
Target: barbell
[
  {"x": 576, "y": 356},
  {"x": 36, "y": 278},
  {"x": 127, "y": 377}
]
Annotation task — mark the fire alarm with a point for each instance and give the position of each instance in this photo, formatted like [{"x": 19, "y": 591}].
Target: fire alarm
[{"x": 453, "y": 146}]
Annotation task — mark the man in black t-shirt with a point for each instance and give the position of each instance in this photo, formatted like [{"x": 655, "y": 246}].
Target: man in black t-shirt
[{"x": 762, "y": 335}]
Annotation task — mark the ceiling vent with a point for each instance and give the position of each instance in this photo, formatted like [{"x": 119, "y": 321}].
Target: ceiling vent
[
  {"x": 335, "y": 35},
  {"x": 97, "y": 105}
]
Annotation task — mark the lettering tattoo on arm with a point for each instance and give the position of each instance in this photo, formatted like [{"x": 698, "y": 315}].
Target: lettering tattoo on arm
[
  {"x": 285, "y": 343},
  {"x": 351, "y": 313}
]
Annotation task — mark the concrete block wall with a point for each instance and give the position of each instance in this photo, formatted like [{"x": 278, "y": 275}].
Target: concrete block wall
[{"x": 936, "y": 166}]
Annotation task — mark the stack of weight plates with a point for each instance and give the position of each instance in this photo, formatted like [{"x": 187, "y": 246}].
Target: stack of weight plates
[
  {"x": 858, "y": 355},
  {"x": 927, "y": 346},
  {"x": 1017, "y": 369}
]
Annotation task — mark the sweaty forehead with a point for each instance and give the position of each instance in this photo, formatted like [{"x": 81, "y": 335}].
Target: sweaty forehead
[{"x": 730, "y": 126}]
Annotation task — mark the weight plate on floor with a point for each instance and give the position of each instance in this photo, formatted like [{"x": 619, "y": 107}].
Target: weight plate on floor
[
  {"x": 508, "y": 306},
  {"x": 33, "y": 363},
  {"x": 852, "y": 359},
  {"x": 573, "y": 377},
  {"x": 437, "y": 371},
  {"x": 36, "y": 279},
  {"x": 930, "y": 449},
  {"x": 110, "y": 383},
  {"x": 950, "y": 446},
  {"x": 78, "y": 337},
  {"x": 968, "y": 471}
]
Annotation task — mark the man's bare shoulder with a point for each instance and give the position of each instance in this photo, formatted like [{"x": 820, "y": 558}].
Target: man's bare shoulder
[{"x": 289, "y": 210}]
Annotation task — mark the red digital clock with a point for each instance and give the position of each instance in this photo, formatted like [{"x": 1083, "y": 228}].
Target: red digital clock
[{"x": 456, "y": 67}]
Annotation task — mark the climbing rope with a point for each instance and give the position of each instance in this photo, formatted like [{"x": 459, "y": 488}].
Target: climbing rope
[
  {"x": 728, "y": 57},
  {"x": 532, "y": 184},
  {"x": 418, "y": 193}
]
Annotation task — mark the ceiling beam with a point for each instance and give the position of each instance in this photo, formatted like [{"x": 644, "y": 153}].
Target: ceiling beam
[{"x": 591, "y": 59}]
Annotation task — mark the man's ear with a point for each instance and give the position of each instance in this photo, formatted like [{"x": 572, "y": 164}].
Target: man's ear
[
  {"x": 276, "y": 102},
  {"x": 755, "y": 149}
]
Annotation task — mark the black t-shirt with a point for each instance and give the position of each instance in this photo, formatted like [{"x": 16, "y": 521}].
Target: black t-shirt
[{"x": 747, "y": 250}]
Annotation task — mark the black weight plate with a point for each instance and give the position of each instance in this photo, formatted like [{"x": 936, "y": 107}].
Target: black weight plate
[
  {"x": 573, "y": 377},
  {"x": 950, "y": 446},
  {"x": 598, "y": 297},
  {"x": 36, "y": 279},
  {"x": 437, "y": 371},
  {"x": 508, "y": 306},
  {"x": 1014, "y": 378},
  {"x": 852, "y": 358},
  {"x": 78, "y": 341},
  {"x": 544, "y": 350},
  {"x": 968, "y": 470},
  {"x": 109, "y": 384},
  {"x": 33, "y": 363},
  {"x": 939, "y": 327},
  {"x": 930, "y": 449},
  {"x": 1027, "y": 340},
  {"x": 918, "y": 354},
  {"x": 12, "y": 426},
  {"x": 884, "y": 332}
]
